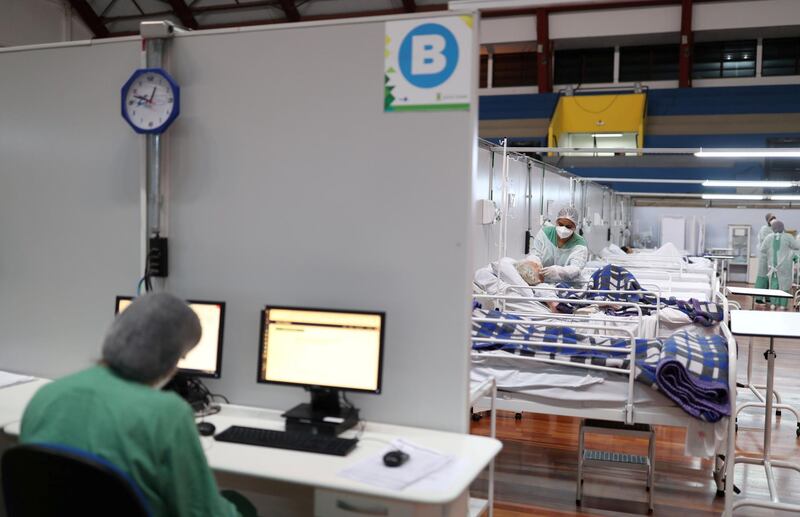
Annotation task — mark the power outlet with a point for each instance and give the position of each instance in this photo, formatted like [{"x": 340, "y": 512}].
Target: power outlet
[{"x": 158, "y": 257}]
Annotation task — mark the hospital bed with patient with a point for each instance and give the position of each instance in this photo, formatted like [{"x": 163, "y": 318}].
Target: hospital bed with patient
[
  {"x": 659, "y": 313},
  {"x": 623, "y": 362}
]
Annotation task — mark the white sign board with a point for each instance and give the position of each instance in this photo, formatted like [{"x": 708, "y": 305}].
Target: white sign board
[{"x": 428, "y": 64}]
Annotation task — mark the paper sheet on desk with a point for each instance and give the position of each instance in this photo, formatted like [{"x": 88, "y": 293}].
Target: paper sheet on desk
[
  {"x": 421, "y": 463},
  {"x": 8, "y": 379}
]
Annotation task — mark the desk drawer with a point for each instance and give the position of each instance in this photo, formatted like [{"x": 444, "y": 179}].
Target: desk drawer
[{"x": 328, "y": 503}]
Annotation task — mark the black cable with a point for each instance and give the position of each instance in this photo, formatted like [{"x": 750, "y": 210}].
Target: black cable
[
  {"x": 223, "y": 397},
  {"x": 347, "y": 401}
]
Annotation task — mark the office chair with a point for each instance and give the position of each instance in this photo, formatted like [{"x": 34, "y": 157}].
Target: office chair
[{"x": 46, "y": 480}]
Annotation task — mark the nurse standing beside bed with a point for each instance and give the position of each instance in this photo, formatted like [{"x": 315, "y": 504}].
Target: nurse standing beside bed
[{"x": 562, "y": 252}]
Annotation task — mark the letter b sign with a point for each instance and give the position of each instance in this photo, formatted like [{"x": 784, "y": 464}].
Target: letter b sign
[{"x": 428, "y": 55}]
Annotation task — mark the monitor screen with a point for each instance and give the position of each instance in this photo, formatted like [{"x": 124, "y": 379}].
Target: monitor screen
[
  {"x": 321, "y": 348},
  {"x": 205, "y": 359}
]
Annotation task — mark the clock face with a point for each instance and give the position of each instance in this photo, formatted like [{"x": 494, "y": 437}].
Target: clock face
[{"x": 150, "y": 101}]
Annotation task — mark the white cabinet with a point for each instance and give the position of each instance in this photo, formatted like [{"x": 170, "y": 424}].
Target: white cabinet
[
  {"x": 331, "y": 503},
  {"x": 739, "y": 243}
]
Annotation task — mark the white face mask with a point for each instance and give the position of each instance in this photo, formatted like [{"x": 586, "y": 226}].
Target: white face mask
[{"x": 563, "y": 232}]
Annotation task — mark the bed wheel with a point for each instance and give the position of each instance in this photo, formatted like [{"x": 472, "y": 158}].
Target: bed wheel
[
  {"x": 736, "y": 426},
  {"x": 720, "y": 493},
  {"x": 777, "y": 412},
  {"x": 797, "y": 431},
  {"x": 476, "y": 417},
  {"x": 518, "y": 416}
]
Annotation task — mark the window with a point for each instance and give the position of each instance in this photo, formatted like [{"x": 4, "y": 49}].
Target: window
[
  {"x": 648, "y": 63},
  {"x": 483, "y": 81},
  {"x": 781, "y": 57},
  {"x": 513, "y": 64},
  {"x": 514, "y": 69},
  {"x": 583, "y": 66},
  {"x": 724, "y": 59}
]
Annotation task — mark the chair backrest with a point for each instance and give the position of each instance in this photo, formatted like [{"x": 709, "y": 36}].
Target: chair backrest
[{"x": 45, "y": 480}]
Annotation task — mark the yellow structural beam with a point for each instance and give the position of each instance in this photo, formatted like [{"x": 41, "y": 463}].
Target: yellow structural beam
[{"x": 616, "y": 113}]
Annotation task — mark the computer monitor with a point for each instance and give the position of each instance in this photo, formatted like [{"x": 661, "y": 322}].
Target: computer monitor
[
  {"x": 324, "y": 351},
  {"x": 205, "y": 359}
]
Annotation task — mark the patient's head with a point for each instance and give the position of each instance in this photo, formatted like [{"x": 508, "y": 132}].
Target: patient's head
[
  {"x": 530, "y": 271},
  {"x": 146, "y": 340}
]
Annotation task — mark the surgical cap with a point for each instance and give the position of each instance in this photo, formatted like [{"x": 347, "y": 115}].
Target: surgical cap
[
  {"x": 147, "y": 339},
  {"x": 777, "y": 226},
  {"x": 569, "y": 212},
  {"x": 770, "y": 216}
]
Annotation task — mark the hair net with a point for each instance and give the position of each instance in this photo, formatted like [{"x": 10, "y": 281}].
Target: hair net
[
  {"x": 569, "y": 212},
  {"x": 777, "y": 226},
  {"x": 147, "y": 339},
  {"x": 770, "y": 216},
  {"x": 530, "y": 271}
]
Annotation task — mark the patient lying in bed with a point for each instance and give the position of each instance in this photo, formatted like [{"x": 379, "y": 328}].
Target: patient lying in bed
[
  {"x": 530, "y": 269},
  {"x": 499, "y": 277}
]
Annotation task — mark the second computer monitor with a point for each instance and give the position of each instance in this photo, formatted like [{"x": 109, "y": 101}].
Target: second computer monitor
[
  {"x": 322, "y": 348},
  {"x": 205, "y": 359}
]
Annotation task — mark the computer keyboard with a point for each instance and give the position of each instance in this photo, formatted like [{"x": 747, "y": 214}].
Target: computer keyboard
[{"x": 283, "y": 440}]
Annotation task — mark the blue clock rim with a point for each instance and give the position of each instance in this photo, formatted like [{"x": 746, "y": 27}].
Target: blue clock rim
[{"x": 177, "y": 95}]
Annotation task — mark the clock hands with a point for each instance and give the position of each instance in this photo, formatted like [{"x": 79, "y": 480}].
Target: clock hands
[{"x": 146, "y": 100}]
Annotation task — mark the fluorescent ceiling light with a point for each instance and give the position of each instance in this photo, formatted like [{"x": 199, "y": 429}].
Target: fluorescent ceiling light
[
  {"x": 753, "y": 197},
  {"x": 785, "y": 197},
  {"x": 748, "y": 153},
  {"x": 734, "y": 183},
  {"x": 607, "y": 135}
]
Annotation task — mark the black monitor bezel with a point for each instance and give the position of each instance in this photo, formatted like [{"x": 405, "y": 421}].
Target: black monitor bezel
[
  {"x": 186, "y": 371},
  {"x": 261, "y": 380}
]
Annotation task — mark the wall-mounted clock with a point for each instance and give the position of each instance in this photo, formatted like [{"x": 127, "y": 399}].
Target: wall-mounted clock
[{"x": 151, "y": 100}]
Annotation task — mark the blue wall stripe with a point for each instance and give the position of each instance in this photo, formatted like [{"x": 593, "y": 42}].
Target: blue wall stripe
[
  {"x": 502, "y": 107},
  {"x": 725, "y": 100}
]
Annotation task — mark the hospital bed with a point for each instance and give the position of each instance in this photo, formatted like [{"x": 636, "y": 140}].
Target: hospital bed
[
  {"x": 515, "y": 295},
  {"x": 589, "y": 391}
]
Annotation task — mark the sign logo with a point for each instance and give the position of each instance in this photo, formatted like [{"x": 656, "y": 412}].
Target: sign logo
[
  {"x": 428, "y": 55},
  {"x": 428, "y": 65}
]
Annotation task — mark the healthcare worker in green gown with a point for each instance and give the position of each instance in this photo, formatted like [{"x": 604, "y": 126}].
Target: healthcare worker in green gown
[
  {"x": 762, "y": 281},
  {"x": 562, "y": 252},
  {"x": 777, "y": 253},
  {"x": 115, "y": 410}
]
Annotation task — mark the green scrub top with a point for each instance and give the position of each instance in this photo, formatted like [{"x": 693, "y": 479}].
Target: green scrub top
[{"x": 149, "y": 434}]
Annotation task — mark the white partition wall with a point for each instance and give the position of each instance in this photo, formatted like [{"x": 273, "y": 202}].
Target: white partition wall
[
  {"x": 69, "y": 203},
  {"x": 604, "y": 214},
  {"x": 288, "y": 185},
  {"x": 490, "y": 185}
]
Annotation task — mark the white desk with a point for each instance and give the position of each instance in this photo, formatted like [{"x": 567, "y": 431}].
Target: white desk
[
  {"x": 752, "y": 291},
  {"x": 473, "y": 454},
  {"x": 771, "y": 325},
  {"x": 725, "y": 261},
  {"x": 757, "y": 388}
]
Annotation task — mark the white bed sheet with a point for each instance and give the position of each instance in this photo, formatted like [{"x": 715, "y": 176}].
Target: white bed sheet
[{"x": 579, "y": 388}]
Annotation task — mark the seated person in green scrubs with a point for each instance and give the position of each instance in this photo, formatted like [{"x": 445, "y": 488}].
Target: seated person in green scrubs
[{"x": 116, "y": 411}]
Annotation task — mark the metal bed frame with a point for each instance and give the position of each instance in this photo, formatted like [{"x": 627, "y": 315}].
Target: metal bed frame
[{"x": 629, "y": 414}]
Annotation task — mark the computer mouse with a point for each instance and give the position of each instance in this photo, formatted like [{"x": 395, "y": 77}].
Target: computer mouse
[
  {"x": 206, "y": 428},
  {"x": 395, "y": 458}
]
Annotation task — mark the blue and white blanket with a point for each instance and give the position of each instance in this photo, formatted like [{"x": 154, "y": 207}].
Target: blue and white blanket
[
  {"x": 690, "y": 370},
  {"x": 617, "y": 278}
]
